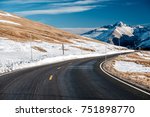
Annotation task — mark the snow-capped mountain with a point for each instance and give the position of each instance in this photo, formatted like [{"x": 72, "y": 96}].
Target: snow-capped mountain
[
  {"x": 137, "y": 37},
  {"x": 23, "y": 41}
]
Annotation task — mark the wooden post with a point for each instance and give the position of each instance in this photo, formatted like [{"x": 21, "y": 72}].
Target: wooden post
[{"x": 63, "y": 49}]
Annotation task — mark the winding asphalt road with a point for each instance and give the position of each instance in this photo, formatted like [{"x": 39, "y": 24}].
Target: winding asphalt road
[{"x": 76, "y": 79}]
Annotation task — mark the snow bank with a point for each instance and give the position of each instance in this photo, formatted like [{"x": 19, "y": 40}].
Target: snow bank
[
  {"x": 17, "y": 55},
  {"x": 56, "y": 60},
  {"x": 125, "y": 66}
]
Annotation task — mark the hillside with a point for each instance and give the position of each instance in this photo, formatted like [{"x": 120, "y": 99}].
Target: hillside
[
  {"x": 21, "y": 29},
  {"x": 23, "y": 41}
]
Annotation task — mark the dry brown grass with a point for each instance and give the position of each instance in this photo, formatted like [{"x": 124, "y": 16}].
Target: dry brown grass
[
  {"x": 31, "y": 31},
  {"x": 133, "y": 56},
  {"x": 39, "y": 49},
  {"x": 141, "y": 79},
  {"x": 83, "y": 48},
  {"x": 120, "y": 48}
]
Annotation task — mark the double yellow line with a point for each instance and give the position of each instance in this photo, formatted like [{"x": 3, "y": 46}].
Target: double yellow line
[{"x": 51, "y": 77}]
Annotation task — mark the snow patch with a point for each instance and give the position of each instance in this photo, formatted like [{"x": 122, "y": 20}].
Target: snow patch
[
  {"x": 124, "y": 30},
  {"x": 9, "y": 22},
  {"x": 125, "y": 66},
  {"x": 8, "y": 15}
]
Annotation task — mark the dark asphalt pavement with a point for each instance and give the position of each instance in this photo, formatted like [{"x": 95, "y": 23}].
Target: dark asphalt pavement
[{"x": 74, "y": 80}]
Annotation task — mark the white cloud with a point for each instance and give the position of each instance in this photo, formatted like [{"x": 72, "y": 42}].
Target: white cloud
[
  {"x": 31, "y": 1},
  {"x": 58, "y": 6},
  {"x": 60, "y": 10},
  {"x": 80, "y": 2}
]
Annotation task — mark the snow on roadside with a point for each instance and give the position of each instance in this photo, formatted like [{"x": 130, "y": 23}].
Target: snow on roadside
[
  {"x": 56, "y": 60},
  {"x": 125, "y": 66},
  {"x": 17, "y": 55}
]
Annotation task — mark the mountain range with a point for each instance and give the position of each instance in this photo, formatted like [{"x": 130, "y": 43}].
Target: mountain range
[{"x": 133, "y": 37}]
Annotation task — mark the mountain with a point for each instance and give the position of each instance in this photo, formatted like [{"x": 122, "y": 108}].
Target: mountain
[
  {"x": 23, "y": 41},
  {"x": 136, "y": 37}
]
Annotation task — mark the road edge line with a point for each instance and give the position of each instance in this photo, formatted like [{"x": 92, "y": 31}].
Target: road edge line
[{"x": 122, "y": 80}]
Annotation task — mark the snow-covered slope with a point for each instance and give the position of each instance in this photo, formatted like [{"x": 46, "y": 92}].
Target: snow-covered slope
[
  {"x": 122, "y": 34},
  {"x": 31, "y": 42}
]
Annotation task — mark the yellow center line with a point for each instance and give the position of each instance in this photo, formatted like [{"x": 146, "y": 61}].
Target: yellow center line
[
  {"x": 59, "y": 68},
  {"x": 51, "y": 77}
]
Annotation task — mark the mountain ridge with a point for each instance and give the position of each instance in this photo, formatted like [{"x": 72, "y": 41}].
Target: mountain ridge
[{"x": 135, "y": 37}]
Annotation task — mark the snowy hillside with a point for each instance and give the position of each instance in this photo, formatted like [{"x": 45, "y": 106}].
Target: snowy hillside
[
  {"x": 137, "y": 37},
  {"x": 23, "y": 42}
]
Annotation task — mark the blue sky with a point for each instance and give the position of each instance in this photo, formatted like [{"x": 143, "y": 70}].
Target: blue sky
[{"x": 80, "y": 13}]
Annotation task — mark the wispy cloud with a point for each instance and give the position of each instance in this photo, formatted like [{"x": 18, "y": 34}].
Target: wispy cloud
[
  {"x": 30, "y": 1},
  {"x": 61, "y": 10},
  {"x": 56, "y": 6},
  {"x": 81, "y": 2}
]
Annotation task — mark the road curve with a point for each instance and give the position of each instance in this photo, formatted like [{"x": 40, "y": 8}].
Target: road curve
[{"x": 80, "y": 79}]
